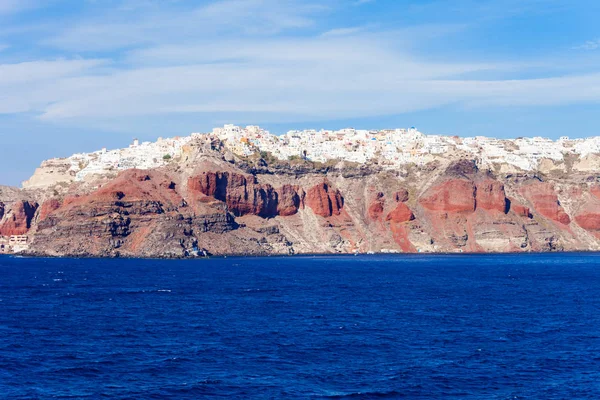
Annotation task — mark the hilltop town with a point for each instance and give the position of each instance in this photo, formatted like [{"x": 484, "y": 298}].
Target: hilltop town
[
  {"x": 395, "y": 147},
  {"x": 388, "y": 148}
]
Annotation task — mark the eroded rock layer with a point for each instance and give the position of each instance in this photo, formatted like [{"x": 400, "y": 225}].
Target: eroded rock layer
[{"x": 210, "y": 203}]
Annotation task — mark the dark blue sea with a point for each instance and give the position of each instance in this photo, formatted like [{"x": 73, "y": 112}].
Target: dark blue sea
[{"x": 404, "y": 326}]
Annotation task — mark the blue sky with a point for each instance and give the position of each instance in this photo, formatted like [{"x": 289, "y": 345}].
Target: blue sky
[{"x": 77, "y": 75}]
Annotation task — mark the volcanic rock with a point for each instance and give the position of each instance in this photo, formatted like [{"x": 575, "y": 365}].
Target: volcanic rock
[
  {"x": 206, "y": 205},
  {"x": 289, "y": 200},
  {"x": 545, "y": 201},
  {"x": 244, "y": 196},
  {"x": 376, "y": 207},
  {"x": 462, "y": 168},
  {"x": 401, "y": 195},
  {"x": 589, "y": 220},
  {"x": 520, "y": 209},
  {"x": 47, "y": 207},
  {"x": 491, "y": 196},
  {"x": 324, "y": 200},
  {"x": 18, "y": 219},
  {"x": 400, "y": 214},
  {"x": 453, "y": 195}
]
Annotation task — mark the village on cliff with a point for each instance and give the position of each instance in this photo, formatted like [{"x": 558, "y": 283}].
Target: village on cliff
[{"x": 389, "y": 148}]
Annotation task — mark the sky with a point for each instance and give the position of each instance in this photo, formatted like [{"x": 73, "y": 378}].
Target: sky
[{"x": 79, "y": 75}]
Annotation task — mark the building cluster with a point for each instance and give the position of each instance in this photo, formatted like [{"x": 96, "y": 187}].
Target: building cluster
[
  {"x": 143, "y": 155},
  {"x": 390, "y": 146},
  {"x": 396, "y": 147},
  {"x": 13, "y": 244},
  {"x": 387, "y": 147}
]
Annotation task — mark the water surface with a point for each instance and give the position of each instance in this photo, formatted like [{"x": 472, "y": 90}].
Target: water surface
[{"x": 419, "y": 326}]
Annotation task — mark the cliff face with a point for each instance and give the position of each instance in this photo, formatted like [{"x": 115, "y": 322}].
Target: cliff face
[
  {"x": 207, "y": 205},
  {"x": 243, "y": 195},
  {"x": 17, "y": 221},
  {"x": 544, "y": 199}
]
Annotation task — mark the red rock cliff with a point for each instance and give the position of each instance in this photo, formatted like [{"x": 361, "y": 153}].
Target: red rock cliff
[
  {"x": 400, "y": 214},
  {"x": 243, "y": 195},
  {"x": 545, "y": 201},
  {"x": 491, "y": 196},
  {"x": 239, "y": 210},
  {"x": 324, "y": 200},
  {"x": 453, "y": 195},
  {"x": 48, "y": 207},
  {"x": 376, "y": 207},
  {"x": 18, "y": 220}
]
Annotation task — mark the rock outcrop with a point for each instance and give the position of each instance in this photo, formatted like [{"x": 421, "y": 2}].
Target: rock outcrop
[
  {"x": 243, "y": 195},
  {"x": 519, "y": 209},
  {"x": 139, "y": 213},
  {"x": 289, "y": 200},
  {"x": 588, "y": 216},
  {"x": 324, "y": 200},
  {"x": 545, "y": 201},
  {"x": 18, "y": 220},
  {"x": 401, "y": 213},
  {"x": 48, "y": 207},
  {"x": 451, "y": 196},
  {"x": 491, "y": 196},
  {"x": 401, "y": 195},
  {"x": 213, "y": 205},
  {"x": 376, "y": 207},
  {"x": 589, "y": 220},
  {"x": 595, "y": 191}
]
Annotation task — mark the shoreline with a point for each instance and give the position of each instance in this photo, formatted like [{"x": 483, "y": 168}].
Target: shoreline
[{"x": 303, "y": 255}]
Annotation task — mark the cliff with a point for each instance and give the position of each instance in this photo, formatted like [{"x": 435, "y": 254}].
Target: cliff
[{"x": 212, "y": 202}]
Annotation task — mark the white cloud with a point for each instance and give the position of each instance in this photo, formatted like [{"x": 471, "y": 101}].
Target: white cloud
[
  {"x": 589, "y": 45},
  {"x": 343, "y": 31},
  {"x": 316, "y": 81},
  {"x": 14, "y": 6},
  {"x": 244, "y": 57},
  {"x": 226, "y": 18},
  {"x": 40, "y": 71},
  {"x": 23, "y": 85}
]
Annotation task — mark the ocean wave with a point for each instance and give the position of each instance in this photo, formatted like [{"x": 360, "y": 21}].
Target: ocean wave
[{"x": 365, "y": 395}]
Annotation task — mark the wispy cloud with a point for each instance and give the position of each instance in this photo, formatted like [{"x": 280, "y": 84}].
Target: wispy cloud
[
  {"x": 481, "y": 11},
  {"x": 343, "y": 31},
  {"x": 589, "y": 45},
  {"x": 267, "y": 57},
  {"x": 127, "y": 27},
  {"x": 41, "y": 71},
  {"x": 14, "y": 6},
  {"x": 320, "y": 79},
  {"x": 36, "y": 79}
]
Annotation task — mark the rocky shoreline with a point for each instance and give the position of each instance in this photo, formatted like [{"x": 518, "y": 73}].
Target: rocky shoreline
[{"x": 34, "y": 255}]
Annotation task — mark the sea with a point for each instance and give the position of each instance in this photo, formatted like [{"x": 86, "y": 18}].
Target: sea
[{"x": 302, "y": 327}]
